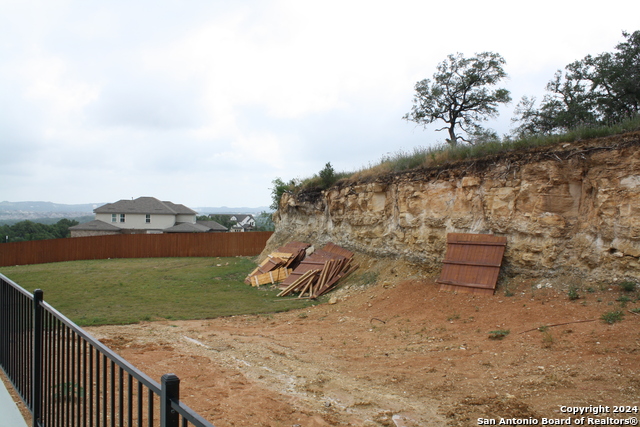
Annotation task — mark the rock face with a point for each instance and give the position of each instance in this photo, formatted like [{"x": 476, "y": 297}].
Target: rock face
[{"x": 565, "y": 209}]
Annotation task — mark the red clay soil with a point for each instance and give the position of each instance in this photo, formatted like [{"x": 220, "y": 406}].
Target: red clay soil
[{"x": 401, "y": 353}]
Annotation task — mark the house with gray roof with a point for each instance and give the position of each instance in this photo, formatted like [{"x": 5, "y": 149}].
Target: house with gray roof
[
  {"x": 144, "y": 215},
  {"x": 243, "y": 222},
  {"x": 237, "y": 222}
]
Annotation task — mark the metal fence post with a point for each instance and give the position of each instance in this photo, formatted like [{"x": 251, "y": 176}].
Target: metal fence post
[
  {"x": 4, "y": 323},
  {"x": 36, "y": 378},
  {"x": 170, "y": 391}
]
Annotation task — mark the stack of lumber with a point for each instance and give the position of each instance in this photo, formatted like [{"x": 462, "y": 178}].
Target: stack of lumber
[
  {"x": 319, "y": 273},
  {"x": 278, "y": 265}
]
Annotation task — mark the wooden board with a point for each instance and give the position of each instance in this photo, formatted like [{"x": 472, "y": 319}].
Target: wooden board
[
  {"x": 316, "y": 260},
  {"x": 277, "y": 275},
  {"x": 287, "y": 257},
  {"x": 319, "y": 272},
  {"x": 335, "y": 249},
  {"x": 472, "y": 263}
]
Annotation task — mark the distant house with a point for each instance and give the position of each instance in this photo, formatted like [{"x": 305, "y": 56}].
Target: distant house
[
  {"x": 144, "y": 215},
  {"x": 236, "y": 228},
  {"x": 239, "y": 222},
  {"x": 247, "y": 222}
]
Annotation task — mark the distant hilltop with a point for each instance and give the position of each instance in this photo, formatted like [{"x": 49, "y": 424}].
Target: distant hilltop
[
  {"x": 35, "y": 210},
  {"x": 12, "y": 207}
]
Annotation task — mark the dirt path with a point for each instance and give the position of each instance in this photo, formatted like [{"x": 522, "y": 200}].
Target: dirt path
[{"x": 400, "y": 354}]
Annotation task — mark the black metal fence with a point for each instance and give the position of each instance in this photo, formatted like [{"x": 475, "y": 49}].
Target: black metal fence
[{"x": 67, "y": 378}]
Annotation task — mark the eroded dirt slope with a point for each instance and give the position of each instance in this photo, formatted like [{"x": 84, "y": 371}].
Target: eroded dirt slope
[{"x": 400, "y": 353}]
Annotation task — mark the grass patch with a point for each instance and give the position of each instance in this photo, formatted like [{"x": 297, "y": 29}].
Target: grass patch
[
  {"x": 612, "y": 317},
  {"x": 573, "y": 293},
  {"x": 121, "y": 291},
  {"x": 369, "y": 278},
  {"x": 443, "y": 154},
  {"x": 547, "y": 339},
  {"x": 623, "y": 300},
  {"x": 628, "y": 286}
]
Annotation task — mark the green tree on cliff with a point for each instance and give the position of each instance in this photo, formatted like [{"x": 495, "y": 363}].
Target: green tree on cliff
[
  {"x": 596, "y": 90},
  {"x": 462, "y": 95}
]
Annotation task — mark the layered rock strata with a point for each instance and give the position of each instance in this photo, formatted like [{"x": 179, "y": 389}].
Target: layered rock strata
[{"x": 566, "y": 209}]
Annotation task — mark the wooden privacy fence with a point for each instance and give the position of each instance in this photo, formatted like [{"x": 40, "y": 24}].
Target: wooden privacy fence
[{"x": 134, "y": 246}]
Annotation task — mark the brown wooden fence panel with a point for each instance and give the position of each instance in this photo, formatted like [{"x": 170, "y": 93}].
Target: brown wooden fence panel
[
  {"x": 134, "y": 246},
  {"x": 472, "y": 263}
]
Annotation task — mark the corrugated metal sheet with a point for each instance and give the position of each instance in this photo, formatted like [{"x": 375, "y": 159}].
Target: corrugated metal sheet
[{"x": 472, "y": 263}]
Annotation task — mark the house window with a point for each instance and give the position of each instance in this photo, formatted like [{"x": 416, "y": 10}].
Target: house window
[
  {"x": 147, "y": 218},
  {"x": 114, "y": 217},
  {"x": 121, "y": 217}
]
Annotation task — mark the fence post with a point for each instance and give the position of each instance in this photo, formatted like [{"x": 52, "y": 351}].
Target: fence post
[
  {"x": 4, "y": 323},
  {"x": 170, "y": 391},
  {"x": 36, "y": 375}
]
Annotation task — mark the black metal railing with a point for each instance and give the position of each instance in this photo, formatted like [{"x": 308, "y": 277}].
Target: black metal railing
[{"x": 68, "y": 378}]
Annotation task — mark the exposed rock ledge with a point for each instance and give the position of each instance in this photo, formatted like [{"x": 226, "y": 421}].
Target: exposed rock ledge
[{"x": 566, "y": 209}]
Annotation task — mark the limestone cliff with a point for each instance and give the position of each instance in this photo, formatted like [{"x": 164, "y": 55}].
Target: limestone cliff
[{"x": 566, "y": 209}]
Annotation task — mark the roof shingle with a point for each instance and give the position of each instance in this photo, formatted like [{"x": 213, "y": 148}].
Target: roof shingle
[
  {"x": 145, "y": 205},
  {"x": 96, "y": 225}
]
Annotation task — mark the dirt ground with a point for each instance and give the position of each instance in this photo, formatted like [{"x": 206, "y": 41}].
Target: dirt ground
[{"x": 400, "y": 353}]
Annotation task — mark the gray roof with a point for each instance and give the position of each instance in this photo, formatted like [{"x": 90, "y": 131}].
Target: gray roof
[
  {"x": 145, "y": 205},
  {"x": 186, "y": 227},
  {"x": 239, "y": 217},
  {"x": 213, "y": 225},
  {"x": 95, "y": 225}
]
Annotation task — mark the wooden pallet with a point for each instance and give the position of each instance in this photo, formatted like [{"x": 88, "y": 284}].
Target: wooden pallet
[
  {"x": 286, "y": 258},
  {"x": 273, "y": 276}
]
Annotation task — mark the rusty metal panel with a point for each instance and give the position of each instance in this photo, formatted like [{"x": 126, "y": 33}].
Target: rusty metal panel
[{"x": 472, "y": 263}]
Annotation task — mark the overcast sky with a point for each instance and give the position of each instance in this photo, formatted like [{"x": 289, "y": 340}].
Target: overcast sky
[{"x": 204, "y": 103}]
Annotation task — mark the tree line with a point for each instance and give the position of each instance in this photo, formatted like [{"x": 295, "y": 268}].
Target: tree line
[
  {"x": 28, "y": 230},
  {"x": 600, "y": 90},
  {"x": 263, "y": 220},
  {"x": 596, "y": 90}
]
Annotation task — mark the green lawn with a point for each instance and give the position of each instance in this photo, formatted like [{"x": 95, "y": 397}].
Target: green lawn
[{"x": 119, "y": 291}]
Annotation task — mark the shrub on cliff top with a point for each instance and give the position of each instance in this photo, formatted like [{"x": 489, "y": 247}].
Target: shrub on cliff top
[{"x": 444, "y": 154}]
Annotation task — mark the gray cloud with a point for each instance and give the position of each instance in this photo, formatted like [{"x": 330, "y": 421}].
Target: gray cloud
[
  {"x": 147, "y": 101},
  {"x": 206, "y": 102}
]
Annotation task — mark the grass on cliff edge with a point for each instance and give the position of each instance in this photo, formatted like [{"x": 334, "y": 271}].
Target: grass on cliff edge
[
  {"x": 121, "y": 291},
  {"x": 442, "y": 154}
]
